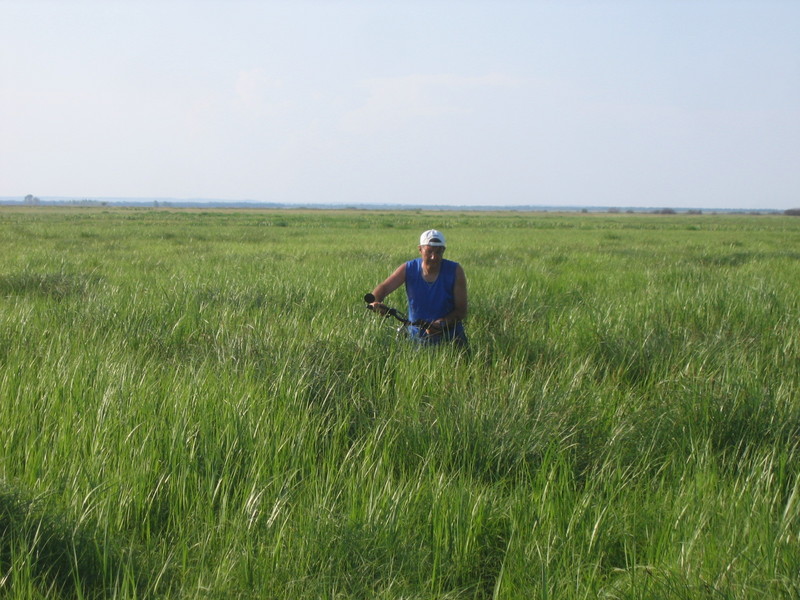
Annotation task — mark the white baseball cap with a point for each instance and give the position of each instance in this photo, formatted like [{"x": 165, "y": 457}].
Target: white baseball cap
[{"x": 432, "y": 237}]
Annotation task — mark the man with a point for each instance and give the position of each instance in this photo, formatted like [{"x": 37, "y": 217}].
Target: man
[{"x": 436, "y": 290}]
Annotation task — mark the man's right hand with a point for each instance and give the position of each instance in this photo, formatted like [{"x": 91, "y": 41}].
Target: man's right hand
[{"x": 379, "y": 307}]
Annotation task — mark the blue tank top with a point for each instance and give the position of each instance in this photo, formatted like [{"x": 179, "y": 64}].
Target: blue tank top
[{"x": 430, "y": 301}]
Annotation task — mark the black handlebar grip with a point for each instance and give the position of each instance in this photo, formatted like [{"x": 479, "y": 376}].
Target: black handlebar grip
[{"x": 369, "y": 298}]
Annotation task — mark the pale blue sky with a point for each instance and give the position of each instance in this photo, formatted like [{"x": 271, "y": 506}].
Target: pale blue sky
[{"x": 670, "y": 103}]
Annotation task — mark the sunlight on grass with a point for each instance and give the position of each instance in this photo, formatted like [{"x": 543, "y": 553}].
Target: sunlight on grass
[{"x": 197, "y": 405}]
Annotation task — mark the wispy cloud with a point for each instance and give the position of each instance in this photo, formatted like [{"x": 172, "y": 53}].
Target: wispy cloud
[
  {"x": 392, "y": 102},
  {"x": 256, "y": 91}
]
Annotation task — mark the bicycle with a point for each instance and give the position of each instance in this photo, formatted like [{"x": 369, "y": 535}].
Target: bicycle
[{"x": 428, "y": 329}]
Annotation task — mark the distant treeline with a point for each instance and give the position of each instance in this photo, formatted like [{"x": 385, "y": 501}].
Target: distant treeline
[{"x": 31, "y": 200}]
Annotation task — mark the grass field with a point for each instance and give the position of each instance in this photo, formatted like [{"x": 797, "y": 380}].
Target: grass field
[{"x": 195, "y": 404}]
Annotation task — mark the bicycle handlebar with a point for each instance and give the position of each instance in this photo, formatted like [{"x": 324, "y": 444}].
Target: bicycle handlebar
[{"x": 369, "y": 299}]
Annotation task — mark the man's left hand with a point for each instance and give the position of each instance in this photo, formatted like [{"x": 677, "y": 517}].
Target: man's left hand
[{"x": 436, "y": 327}]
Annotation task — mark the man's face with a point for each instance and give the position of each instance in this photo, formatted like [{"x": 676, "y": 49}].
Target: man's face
[{"x": 431, "y": 255}]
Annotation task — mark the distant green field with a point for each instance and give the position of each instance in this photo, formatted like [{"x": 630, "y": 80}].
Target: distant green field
[{"x": 195, "y": 404}]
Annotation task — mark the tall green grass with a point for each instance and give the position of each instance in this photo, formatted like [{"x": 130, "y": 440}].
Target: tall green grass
[{"x": 194, "y": 404}]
